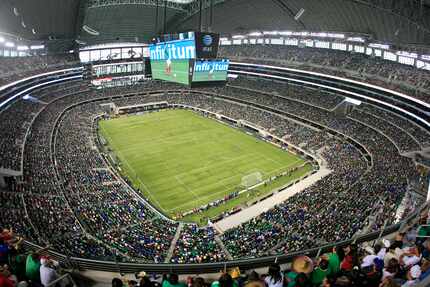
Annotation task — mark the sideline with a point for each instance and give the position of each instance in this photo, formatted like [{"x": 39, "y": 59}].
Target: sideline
[{"x": 262, "y": 206}]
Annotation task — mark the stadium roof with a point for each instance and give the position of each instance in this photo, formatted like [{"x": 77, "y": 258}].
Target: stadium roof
[{"x": 406, "y": 21}]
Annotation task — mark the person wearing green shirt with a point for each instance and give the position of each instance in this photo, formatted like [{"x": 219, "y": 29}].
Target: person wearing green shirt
[
  {"x": 32, "y": 267},
  {"x": 291, "y": 278},
  {"x": 173, "y": 281},
  {"x": 320, "y": 272},
  {"x": 334, "y": 259}
]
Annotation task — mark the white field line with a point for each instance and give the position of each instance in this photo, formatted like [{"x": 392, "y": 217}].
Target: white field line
[
  {"x": 223, "y": 191},
  {"x": 126, "y": 162},
  {"x": 186, "y": 187},
  {"x": 200, "y": 198},
  {"x": 177, "y": 176}
]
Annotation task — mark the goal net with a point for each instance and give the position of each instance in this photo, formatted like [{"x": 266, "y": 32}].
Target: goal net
[{"x": 251, "y": 179}]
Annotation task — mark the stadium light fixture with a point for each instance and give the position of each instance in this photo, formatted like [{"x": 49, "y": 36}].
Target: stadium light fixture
[
  {"x": 285, "y": 33},
  {"x": 37, "y": 47},
  {"x": 356, "y": 39},
  {"x": 407, "y": 54},
  {"x": 238, "y": 36},
  {"x": 255, "y": 34},
  {"x": 380, "y": 46},
  {"x": 319, "y": 34},
  {"x": 2, "y": 39},
  {"x": 299, "y": 14},
  {"x": 9, "y": 44},
  {"x": 22, "y": 48},
  {"x": 90, "y": 30},
  {"x": 336, "y": 35},
  {"x": 270, "y": 32}
]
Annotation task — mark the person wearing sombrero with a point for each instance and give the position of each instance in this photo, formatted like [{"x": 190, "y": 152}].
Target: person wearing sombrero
[{"x": 301, "y": 265}]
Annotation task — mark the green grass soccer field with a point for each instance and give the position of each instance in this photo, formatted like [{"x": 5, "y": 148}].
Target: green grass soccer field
[
  {"x": 181, "y": 160},
  {"x": 206, "y": 77},
  {"x": 178, "y": 73}
]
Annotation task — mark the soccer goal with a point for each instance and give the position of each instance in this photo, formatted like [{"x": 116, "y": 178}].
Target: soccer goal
[{"x": 251, "y": 179}]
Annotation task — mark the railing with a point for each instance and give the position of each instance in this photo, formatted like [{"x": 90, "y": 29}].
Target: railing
[
  {"x": 243, "y": 264},
  {"x": 66, "y": 279}
]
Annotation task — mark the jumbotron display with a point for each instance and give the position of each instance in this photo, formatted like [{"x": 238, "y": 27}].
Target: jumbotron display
[
  {"x": 210, "y": 70},
  {"x": 171, "y": 70},
  {"x": 188, "y": 58}
]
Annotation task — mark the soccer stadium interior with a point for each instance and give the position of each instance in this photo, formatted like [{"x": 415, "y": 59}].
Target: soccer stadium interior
[{"x": 214, "y": 143}]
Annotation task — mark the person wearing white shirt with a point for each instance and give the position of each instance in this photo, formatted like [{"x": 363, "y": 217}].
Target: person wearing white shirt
[
  {"x": 47, "y": 272},
  {"x": 275, "y": 277}
]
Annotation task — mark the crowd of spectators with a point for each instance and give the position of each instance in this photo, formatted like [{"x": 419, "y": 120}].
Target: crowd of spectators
[
  {"x": 310, "y": 96},
  {"x": 16, "y": 68},
  {"x": 16, "y": 120},
  {"x": 404, "y": 78},
  {"x": 400, "y": 262},
  {"x": 20, "y": 267},
  {"x": 197, "y": 245},
  {"x": 74, "y": 202}
]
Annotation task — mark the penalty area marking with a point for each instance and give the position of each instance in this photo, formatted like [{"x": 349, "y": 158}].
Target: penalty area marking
[{"x": 223, "y": 191}]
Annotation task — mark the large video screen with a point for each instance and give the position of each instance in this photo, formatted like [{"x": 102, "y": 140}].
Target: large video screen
[
  {"x": 173, "y": 50},
  {"x": 209, "y": 70},
  {"x": 171, "y": 70}
]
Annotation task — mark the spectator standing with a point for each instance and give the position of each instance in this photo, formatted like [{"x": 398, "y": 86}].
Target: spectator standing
[
  {"x": 32, "y": 267},
  {"x": 275, "y": 278},
  {"x": 48, "y": 273},
  {"x": 173, "y": 281},
  {"x": 320, "y": 271},
  {"x": 4, "y": 252},
  {"x": 5, "y": 278},
  {"x": 334, "y": 259}
]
